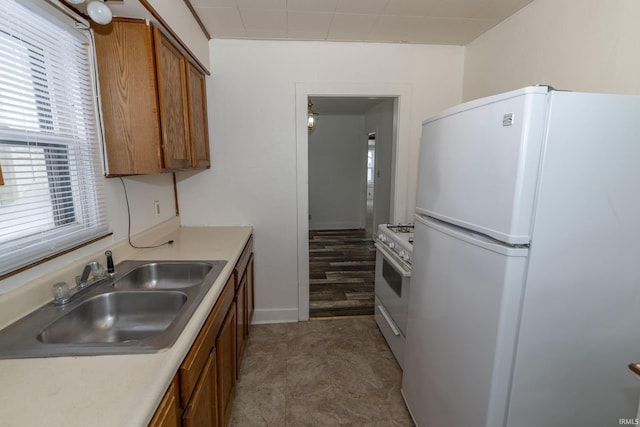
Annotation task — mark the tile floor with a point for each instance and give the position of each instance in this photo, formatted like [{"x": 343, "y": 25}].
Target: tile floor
[{"x": 330, "y": 372}]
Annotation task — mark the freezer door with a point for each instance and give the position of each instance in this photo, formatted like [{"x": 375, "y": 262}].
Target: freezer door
[
  {"x": 461, "y": 331},
  {"x": 479, "y": 162}
]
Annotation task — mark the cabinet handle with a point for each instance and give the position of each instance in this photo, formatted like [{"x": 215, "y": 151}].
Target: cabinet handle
[{"x": 635, "y": 367}]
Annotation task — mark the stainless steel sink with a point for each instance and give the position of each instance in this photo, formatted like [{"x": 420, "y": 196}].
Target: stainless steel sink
[
  {"x": 116, "y": 317},
  {"x": 162, "y": 275},
  {"x": 142, "y": 309}
]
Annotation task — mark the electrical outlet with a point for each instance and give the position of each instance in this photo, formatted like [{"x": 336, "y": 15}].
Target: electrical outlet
[{"x": 156, "y": 207}]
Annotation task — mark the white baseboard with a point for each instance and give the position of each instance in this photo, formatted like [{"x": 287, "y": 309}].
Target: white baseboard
[{"x": 275, "y": 315}]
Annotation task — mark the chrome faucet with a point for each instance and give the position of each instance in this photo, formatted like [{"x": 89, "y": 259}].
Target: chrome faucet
[
  {"x": 61, "y": 292},
  {"x": 81, "y": 281}
]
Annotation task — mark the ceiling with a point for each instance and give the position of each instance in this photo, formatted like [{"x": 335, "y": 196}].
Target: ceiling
[{"x": 451, "y": 22}]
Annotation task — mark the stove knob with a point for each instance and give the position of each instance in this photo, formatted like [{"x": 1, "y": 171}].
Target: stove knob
[
  {"x": 382, "y": 237},
  {"x": 407, "y": 257},
  {"x": 402, "y": 254},
  {"x": 392, "y": 245}
]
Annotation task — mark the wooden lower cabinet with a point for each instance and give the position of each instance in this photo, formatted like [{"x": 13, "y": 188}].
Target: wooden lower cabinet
[
  {"x": 241, "y": 321},
  {"x": 168, "y": 412},
  {"x": 202, "y": 392},
  {"x": 250, "y": 295},
  {"x": 243, "y": 272},
  {"x": 226, "y": 353},
  {"x": 202, "y": 407}
]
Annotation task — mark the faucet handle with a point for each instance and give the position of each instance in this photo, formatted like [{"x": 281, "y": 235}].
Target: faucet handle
[
  {"x": 97, "y": 270},
  {"x": 60, "y": 291}
]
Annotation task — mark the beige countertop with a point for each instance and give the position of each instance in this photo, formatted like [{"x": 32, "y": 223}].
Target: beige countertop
[{"x": 115, "y": 390}]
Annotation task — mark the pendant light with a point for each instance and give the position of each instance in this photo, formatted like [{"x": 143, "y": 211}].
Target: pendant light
[{"x": 311, "y": 119}]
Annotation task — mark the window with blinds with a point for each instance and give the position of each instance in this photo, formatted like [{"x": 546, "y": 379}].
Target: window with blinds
[{"x": 52, "y": 197}]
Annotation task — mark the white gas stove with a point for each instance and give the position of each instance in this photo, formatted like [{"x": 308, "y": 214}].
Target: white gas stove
[
  {"x": 398, "y": 238},
  {"x": 394, "y": 248}
]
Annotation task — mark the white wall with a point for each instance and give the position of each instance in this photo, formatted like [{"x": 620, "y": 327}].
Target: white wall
[
  {"x": 252, "y": 118},
  {"x": 578, "y": 45},
  {"x": 337, "y": 172}
]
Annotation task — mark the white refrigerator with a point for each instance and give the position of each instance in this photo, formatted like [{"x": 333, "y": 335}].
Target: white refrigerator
[{"x": 525, "y": 293}]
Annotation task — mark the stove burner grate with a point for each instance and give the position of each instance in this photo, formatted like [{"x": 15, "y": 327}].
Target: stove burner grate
[{"x": 401, "y": 228}]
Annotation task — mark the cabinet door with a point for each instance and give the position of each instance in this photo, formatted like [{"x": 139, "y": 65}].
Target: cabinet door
[
  {"x": 241, "y": 321},
  {"x": 198, "y": 130},
  {"x": 128, "y": 95},
  {"x": 200, "y": 412},
  {"x": 250, "y": 294},
  {"x": 226, "y": 364},
  {"x": 172, "y": 96},
  {"x": 168, "y": 412}
]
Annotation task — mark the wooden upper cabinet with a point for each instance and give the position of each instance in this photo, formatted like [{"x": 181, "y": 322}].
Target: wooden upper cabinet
[
  {"x": 198, "y": 129},
  {"x": 148, "y": 107},
  {"x": 126, "y": 72},
  {"x": 172, "y": 94}
]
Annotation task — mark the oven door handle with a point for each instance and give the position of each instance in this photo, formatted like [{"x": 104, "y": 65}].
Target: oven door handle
[
  {"x": 391, "y": 258},
  {"x": 390, "y": 322}
]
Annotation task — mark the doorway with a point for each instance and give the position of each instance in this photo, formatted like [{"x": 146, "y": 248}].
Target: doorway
[
  {"x": 346, "y": 179},
  {"x": 401, "y": 94}
]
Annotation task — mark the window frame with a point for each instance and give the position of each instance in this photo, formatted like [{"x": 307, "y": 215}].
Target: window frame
[{"x": 79, "y": 178}]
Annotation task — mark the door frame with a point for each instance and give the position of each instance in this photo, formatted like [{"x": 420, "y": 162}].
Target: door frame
[{"x": 400, "y": 162}]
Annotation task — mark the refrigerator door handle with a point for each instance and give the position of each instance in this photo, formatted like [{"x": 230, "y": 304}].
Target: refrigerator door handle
[{"x": 386, "y": 316}]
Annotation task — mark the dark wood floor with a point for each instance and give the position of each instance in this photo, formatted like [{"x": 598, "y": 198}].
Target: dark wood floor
[{"x": 341, "y": 270}]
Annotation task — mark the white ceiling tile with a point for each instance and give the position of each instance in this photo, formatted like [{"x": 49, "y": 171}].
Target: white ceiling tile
[
  {"x": 343, "y": 23},
  {"x": 458, "y": 8},
  {"x": 396, "y": 28},
  {"x": 264, "y": 20},
  {"x": 414, "y": 21},
  {"x": 364, "y": 7},
  {"x": 218, "y": 19},
  {"x": 409, "y": 7},
  {"x": 267, "y": 34},
  {"x": 312, "y": 5},
  {"x": 213, "y": 3},
  {"x": 308, "y": 22},
  {"x": 262, "y": 4}
]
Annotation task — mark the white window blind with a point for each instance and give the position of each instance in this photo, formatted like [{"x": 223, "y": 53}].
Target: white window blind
[{"x": 52, "y": 197}]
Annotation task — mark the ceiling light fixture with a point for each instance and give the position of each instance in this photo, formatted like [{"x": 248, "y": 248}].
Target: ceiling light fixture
[
  {"x": 311, "y": 119},
  {"x": 97, "y": 10}
]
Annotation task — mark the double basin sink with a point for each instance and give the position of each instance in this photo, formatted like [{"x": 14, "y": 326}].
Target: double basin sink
[{"x": 142, "y": 309}]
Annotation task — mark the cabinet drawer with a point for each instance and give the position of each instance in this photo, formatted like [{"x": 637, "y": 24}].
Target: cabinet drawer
[{"x": 241, "y": 265}]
